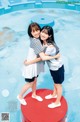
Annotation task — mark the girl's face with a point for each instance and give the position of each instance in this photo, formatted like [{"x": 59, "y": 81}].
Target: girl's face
[
  {"x": 44, "y": 35},
  {"x": 35, "y": 33}
]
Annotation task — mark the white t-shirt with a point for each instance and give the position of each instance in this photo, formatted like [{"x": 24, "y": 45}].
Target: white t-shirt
[
  {"x": 54, "y": 64},
  {"x": 35, "y": 69}
]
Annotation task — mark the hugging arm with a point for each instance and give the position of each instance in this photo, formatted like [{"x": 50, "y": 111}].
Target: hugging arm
[
  {"x": 38, "y": 49},
  {"x": 43, "y": 57},
  {"x": 32, "y": 61}
]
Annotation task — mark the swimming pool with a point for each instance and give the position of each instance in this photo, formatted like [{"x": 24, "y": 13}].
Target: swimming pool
[{"x": 14, "y": 44}]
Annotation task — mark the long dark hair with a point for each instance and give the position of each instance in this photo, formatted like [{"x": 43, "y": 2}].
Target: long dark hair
[
  {"x": 33, "y": 27},
  {"x": 50, "y": 32}
]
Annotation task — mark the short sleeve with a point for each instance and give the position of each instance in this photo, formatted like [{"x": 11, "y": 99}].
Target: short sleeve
[
  {"x": 50, "y": 51},
  {"x": 37, "y": 46}
]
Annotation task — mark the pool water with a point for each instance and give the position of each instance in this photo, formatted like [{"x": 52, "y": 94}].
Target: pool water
[{"x": 14, "y": 43}]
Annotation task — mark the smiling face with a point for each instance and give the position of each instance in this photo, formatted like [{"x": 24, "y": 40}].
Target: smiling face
[
  {"x": 44, "y": 35},
  {"x": 35, "y": 33},
  {"x": 34, "y": 30}
]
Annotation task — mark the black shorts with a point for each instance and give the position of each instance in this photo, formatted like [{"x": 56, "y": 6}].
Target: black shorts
[
  {"x": 58, "y": 76},
  {"x": 30, "y": 80}
]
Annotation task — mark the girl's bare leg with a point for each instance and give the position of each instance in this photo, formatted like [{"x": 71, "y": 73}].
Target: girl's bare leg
[
  {"x": 59, "y": 93},
  {"x": 24, "y": 89},
  {"x": 34, "y": 95},
  {"x": 34, "y": 88},
  {"x": 57, "y": 103},
  {"x": 54, "y": 91},
  {"x": 53, "y": 95}
]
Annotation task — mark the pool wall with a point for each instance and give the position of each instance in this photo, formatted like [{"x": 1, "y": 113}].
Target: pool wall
[{"x": 31, "y": 5}]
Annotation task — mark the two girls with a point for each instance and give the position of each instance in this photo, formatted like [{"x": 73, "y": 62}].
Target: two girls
[
  {"x": 56, "y": 66},
  {"x": 31, "y": 72}
]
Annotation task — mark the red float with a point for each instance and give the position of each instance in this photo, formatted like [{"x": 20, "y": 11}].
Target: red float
[{"x": 36, "y": 111}]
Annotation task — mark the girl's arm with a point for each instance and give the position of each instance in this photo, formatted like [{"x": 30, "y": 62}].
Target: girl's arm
[
  {"x": 44, "y": 56},
  {"x": 38, "y": 49},
  {"x": 50, "y": 50},
  {"x": 32, "y": 61}
]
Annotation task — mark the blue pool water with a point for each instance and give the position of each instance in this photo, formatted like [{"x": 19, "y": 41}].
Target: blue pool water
[{"x": 14, "y": 43}]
